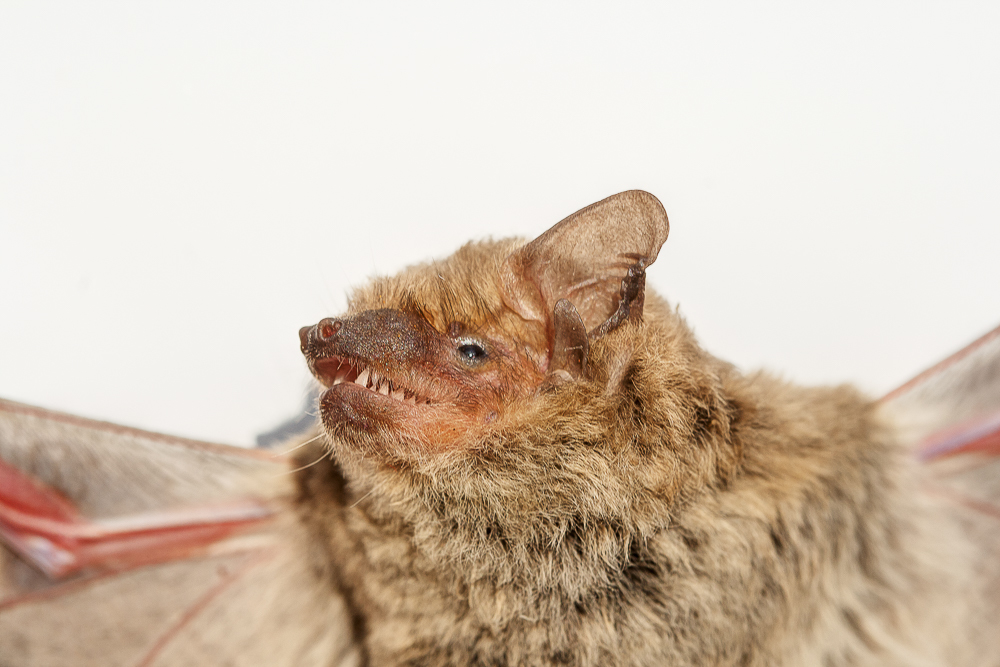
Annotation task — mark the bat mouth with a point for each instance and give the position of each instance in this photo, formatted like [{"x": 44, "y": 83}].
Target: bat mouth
[{"x": 333, "y": 371}]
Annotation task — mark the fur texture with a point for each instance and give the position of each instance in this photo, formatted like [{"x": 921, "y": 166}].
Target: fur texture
[
  {"x": 660, "y": 509},
  {"x": 529, "y": 460}
]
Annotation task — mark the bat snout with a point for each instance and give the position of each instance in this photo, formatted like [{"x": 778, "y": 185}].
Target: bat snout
[{"x": 319, "y": 333}]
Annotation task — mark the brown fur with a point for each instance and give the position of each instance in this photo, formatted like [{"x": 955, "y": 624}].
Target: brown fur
[
  {"x": 599, "y": 491},
  {"x": 664, "y": 510}
]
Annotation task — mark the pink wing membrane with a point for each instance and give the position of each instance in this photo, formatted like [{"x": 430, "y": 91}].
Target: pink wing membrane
[
  {"x": 45, "y": 529},
  {"x": 78, "y": 494},
  {"x": 950, "y": 416}
]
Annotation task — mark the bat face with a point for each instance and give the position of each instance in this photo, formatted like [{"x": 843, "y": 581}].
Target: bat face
[
  {"x": 396, "y": 383},
  {"x": 443, "y": 355}
]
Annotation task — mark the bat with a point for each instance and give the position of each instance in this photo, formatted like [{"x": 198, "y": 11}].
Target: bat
[
  {"x": 540, "y": 465},
  {"x": 524, "y": 457}
]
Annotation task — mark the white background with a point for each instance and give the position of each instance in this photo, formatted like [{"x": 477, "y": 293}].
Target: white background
[{"x": 184, "y": 185}]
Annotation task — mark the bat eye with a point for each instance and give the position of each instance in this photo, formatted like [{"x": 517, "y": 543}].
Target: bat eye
[{"x": 472, "y": 352}]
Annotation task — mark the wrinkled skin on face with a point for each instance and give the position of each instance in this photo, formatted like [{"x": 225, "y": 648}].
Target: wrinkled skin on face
[{"x": 393, "y": 377}]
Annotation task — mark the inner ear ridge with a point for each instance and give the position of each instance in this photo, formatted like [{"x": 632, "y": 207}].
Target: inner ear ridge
[{"x": 570, "y": 345}]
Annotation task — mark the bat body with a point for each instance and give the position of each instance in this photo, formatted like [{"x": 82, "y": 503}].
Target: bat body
[
  {"x": 527, "y": 459},
  {"x": 534, "y": 463}
]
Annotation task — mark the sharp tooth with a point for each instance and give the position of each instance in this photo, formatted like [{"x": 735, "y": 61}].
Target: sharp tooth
[
  {"x": 362, "y": 378},
  {"x": 375, "y": 379},
  {"x": 384, "y": 389},
  {"x": 411, "y": 400},
  {"x": 398, "y": 394}
]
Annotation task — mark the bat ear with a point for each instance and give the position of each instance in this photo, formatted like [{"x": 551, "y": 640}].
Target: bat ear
[
  {"x": 595, "y": 260},
  {"x": 570, "y": 346}
]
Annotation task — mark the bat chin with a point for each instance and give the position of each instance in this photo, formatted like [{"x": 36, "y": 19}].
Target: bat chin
[
  {"x": 350, "y": 406},
  {"x": 379, "y": 424}
]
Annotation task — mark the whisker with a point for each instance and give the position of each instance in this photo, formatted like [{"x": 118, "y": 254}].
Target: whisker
[
  {"x": 301, "y": 444},
  {"x": 308, "y": 465},
  {"x": 355, "y": 504}
]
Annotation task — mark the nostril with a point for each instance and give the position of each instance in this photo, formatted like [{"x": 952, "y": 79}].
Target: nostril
[{"x": 328, "y": 328}]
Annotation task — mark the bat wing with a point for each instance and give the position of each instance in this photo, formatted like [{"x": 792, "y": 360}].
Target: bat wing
[
  {"x": 124, "y": 547},
  {"x": 950, "y": 416}
]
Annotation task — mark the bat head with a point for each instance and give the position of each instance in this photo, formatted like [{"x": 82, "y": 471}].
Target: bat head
[{"x": 508, "y": 362}]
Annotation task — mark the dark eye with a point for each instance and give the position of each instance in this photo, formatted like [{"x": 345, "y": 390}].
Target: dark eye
[{"x": 472, "y": 352}]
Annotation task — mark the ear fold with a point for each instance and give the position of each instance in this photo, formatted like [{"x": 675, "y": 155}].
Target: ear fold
[
  {"x": 595, "y": 259},
  {"x": 570, "y": 345}
]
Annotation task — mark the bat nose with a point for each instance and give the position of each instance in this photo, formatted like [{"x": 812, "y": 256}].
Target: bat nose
[
  {"x": 322, "y": 332},
  {"x": 327, "y": 328}
]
